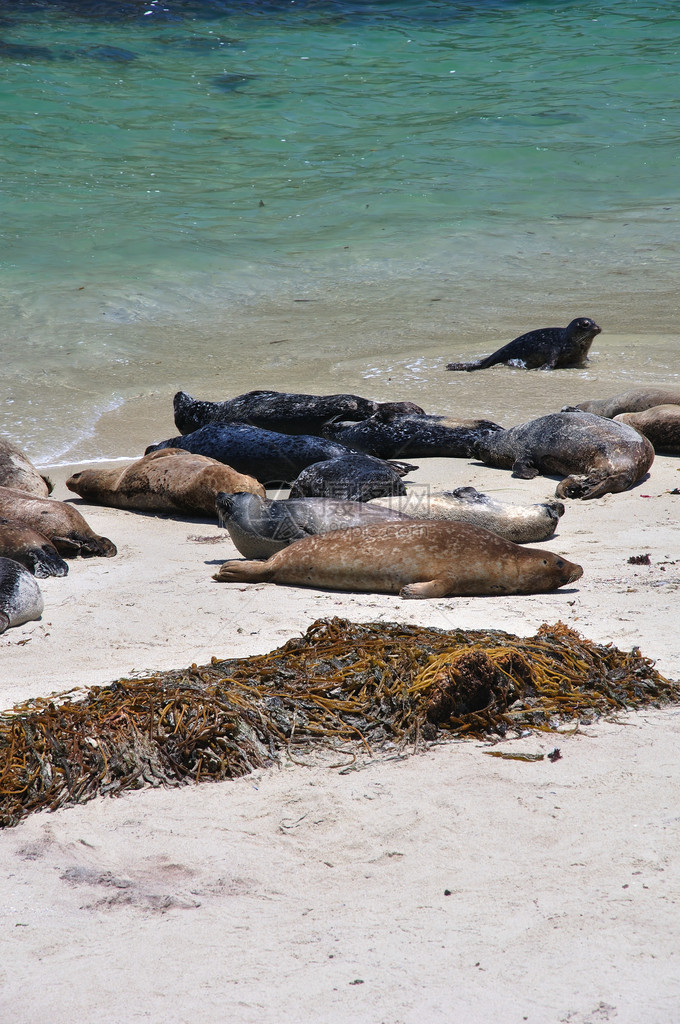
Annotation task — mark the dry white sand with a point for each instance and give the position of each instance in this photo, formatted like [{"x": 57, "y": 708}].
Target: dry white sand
[{"x": 317, "y": 895}]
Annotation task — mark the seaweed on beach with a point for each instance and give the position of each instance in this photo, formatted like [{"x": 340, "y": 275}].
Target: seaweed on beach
[{"x": 353, "y": 686}]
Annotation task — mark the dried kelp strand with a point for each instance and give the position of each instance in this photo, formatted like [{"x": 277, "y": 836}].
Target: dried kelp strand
[{"x": 341, "y": 684}]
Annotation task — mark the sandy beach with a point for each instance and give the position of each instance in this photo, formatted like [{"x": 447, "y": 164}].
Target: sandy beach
[{"x": 442, "y": 886}]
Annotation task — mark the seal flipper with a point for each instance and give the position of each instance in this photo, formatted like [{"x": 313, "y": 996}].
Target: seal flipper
[
  {"x": 430, "y": 588},
  {"x": 47, "y": 562},
  {"x": 523, "y": 468},
  {"x": 239, "y": 571}
]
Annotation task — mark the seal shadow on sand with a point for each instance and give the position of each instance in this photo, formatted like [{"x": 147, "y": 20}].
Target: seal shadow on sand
[{"x": 557, "y": 477}]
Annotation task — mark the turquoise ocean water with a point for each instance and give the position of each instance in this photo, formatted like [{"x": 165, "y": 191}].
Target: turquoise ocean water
[{"x": 327, "y": 196}]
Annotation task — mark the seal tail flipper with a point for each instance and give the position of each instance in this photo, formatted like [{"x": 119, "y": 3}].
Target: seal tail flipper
[
  {"x": 47, "y": 562},
  {"x": 431, "y": 588},
  {"x": 465, "y": 366},
  {"x": 239, "y": 571}
]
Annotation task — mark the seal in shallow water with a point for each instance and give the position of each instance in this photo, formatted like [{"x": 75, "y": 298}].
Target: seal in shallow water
[
  {"x": 259, "y": 527},
  {"x": 26, "y": 545},
  {"x": 270, "y": 457},
  {"x": 413, "y": 559},
  {"x": 633, "y": 400},
  {"x": 276, "y": 410},
  {"x": 660, "y": 425},
  {"x": 523, "y": 524},
  {"x": 16, "y": 470},
  {"x": 59, "y": 522},
  {"x": 168, "y": 480},
  {"x": 545, "y": 348},
  {"x": 352, "y": 477},
  {"x": 388, "y": 435},
  {"x": 594, "y": 455},
  {"x": 20, "y": 597}
]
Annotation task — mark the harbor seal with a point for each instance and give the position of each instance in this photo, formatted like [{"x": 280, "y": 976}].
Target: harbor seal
[
  {"x": 413, "y": 559},
  {"x": 660, "y": 425},
  {"x": 523, "y": 524},
  {"x": 632, "y": 400},
  {"x": 596, "y": 456},
  {"x": 276, "y": 410},
  {"x": 16, "y": 470},
  {"x": 259, "y": 527},
  {"x": 26, "y": 545},
  {"x": 271, "y": 457},
  {"x": 61, "y": 523},
  {"x": 169, "y": 480},
  {"x": 20, "y": 596},
  {"x": 388, "y": 434},
  {"x": 545, "y": 348},
  {"x": 352, "y": 477}
]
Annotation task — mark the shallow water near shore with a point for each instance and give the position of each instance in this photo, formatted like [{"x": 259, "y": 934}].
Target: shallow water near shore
[{"x": 326, "y": 197}]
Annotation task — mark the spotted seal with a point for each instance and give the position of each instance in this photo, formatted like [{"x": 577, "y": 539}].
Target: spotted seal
[
  {"x": 259, "y": 527},
  {"x": 660, "y": 425},
  {"x": 169, "y": 480},
  {"x": 632, "y": 400},
  {"x": 20, "y": 596},
  {"x": 596, "y": 456},
  {"x": 523, "y": 524},
  {"x": 545, "y": 348},
  {"x": 352, "y": 477},
  {"x": 61, "y": 523},
  {"x": 388, "y": 435},
  {"x": 26, "y": 545},
  {"x": 280, "y": 411},
  {"x": 413, "y": 559},
  {"x": 271, "y": 457},
  {"x": 17, "y": 470}
]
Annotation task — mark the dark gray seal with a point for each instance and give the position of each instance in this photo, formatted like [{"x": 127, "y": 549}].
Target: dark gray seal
[
  {"x": 632, "y": 400},
  {"x": 280, "y": 411},
  {"x": 660, "y": 425},
  {"x": 523, "y": 524},
  {"x": 259, "y": 527},
  {"x": 20, "y": 597},
  {"x": 17, "y": 470},
  {"x": 596, "y": 456},
  {"x": 545, "y": 348},
  {"x": 32, "y": 549},
  {"x": 352, "y": 477},
  {"x": 271, "y": 457},
  {"x": 388, "y": 435},
  {"x": 59, "y": 522}
]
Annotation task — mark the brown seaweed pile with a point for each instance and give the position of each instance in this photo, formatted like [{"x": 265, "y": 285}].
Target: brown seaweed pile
[{"x": 342, "y": 683}]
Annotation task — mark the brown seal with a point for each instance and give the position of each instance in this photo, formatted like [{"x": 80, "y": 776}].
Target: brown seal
[
  {"x": 545, "y": 348},
  {"x": 16, "y": 470},
  {"x": 413, "y": 559},
  {"x": 595, "y": 455},
  {"x": 660, "y": 425},
  {"x": 59, "y": 522},
  {"x": 168, "y": 480},
  {"x": 523, "y": 524},
  {"x": 633, "y": 400},
  {"x": 30, "y": 548}
]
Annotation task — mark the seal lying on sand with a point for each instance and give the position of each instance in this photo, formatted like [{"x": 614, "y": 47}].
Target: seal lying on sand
[
  {"x": 168, "y": 480},
  {"x": 26, "y": 545},
  {"x": 660, "y": 425},
  {"x": 20, "y": 596},
  {"x": 268, "y": 456},
  {"x": 523, "y": 524},
  {"x": 414, "y": 559},
  {"x": 276, "y": 410},
  {"x": 594, "y": 455},
  {"x": 388, "y": 435},
  {"x": 633, "y": 400},
  {"x": 259, "y": 527},
  {"x": 59, "y": 522},
  {"x": 351, "y": 478},
  {"x": 545, "y": 348},
  {"x": 16, "y": 470}
]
